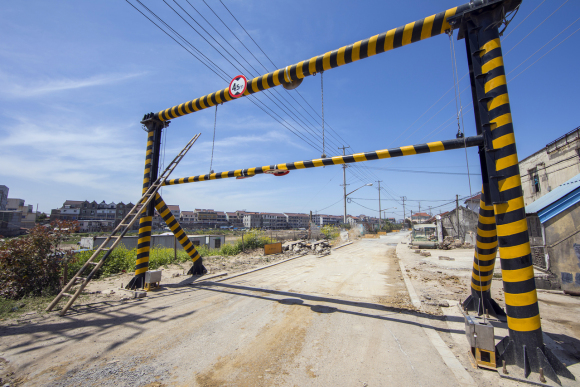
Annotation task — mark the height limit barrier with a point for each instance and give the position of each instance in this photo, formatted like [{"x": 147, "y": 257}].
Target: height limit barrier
[{"x": 502, "y": 224}]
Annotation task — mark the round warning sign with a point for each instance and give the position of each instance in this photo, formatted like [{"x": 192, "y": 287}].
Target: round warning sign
[{"x": 238, "y": 86}]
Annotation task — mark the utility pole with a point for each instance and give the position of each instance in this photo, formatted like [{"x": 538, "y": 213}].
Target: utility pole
[
  {"x": 310, "y": 226},
  {"x": 403, "y": 198},
  {"x": 457, "y": 214},
  {"x": 379, "y": 204},
  {"x": 344, "y": 181}
]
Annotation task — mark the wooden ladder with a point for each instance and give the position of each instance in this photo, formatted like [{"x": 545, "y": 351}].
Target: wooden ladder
[{"x": 121, "y": 230}]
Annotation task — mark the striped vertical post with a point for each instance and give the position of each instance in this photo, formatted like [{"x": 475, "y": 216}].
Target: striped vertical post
[
  {"x": 480, "y": 299},
  {"x": 524, "y": 347},
  {"x": 181, "y": 236},
  {"x": 150, "y": 173}
]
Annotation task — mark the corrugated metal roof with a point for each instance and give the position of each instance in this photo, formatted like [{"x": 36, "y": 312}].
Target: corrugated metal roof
[{"x": 560, "y": 199}]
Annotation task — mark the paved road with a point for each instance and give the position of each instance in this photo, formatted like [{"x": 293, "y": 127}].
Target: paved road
[{"x": 325, "y": 321}]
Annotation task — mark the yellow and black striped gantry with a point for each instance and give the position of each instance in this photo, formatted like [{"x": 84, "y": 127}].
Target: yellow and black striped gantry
[
  {"x": 397, "y": 37},
  {"x": 409, "y": 150}
]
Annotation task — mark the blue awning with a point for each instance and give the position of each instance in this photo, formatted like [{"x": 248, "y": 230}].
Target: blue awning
[{"x": 557, "y": 201}]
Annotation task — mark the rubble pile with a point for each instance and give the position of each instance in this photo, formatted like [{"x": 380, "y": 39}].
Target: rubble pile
[{"x": 321, "y": 247}]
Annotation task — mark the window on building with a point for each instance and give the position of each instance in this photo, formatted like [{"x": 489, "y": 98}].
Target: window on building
[
  {"x": 536, "y": 182},
  {"x": 195, "y": 243},
  {"x": 218, "y": 243}
]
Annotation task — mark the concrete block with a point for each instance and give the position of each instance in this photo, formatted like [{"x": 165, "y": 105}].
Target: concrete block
[{"x": 140, "y": 294}]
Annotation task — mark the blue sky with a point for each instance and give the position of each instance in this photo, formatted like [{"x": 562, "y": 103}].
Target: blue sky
[{"x": 78, "y": 76}]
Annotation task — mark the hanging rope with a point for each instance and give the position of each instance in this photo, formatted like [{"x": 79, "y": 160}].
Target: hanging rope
[
  {"x": 213, "y": 143},
  {"x": 322, "y": 99}
]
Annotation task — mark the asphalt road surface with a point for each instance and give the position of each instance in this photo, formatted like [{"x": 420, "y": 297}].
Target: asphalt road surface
[{"x": 338, "y": 320}]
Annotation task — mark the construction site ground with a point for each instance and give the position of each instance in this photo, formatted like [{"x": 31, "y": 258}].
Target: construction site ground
[{"x": 372, "y": 313}]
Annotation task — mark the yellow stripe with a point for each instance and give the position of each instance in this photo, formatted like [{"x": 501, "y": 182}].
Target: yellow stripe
[
  {"x": 312, "y": 65},
  {"x": 356, "y": 51},
  {"x": 179, "y": 109},
  {"x": 524, "y": 324},
  {"x": 487, "y": 219},
  {"x": 338, "y": 160},
  {"x": 275, "y": 78},
  {"x": 143, "y": 239},
  {"x": 251, "y": 171},
  {"x": 326, "y": 61},
  {"x": 517, "y": 275},
  {"x": 483, "y": 268},
  {"x": 491, "y": 45},
  {"x": 164, "y": 213},
  {"x": 480, "y": 288},
  {"x": 512, "y": 228},
  {"x": 486, "y": 257},
  {"x": 522, "y": 299},
  {"x": 427, "y": 27},
  {"x": 506, "y": 162},
  {"x": 486, "y": 246},
  {"x": 503, "y": 141},
  {"x": 299, "y": 70},
  {"x": 383, "y": 154},
  {"x": 408, "y": 33},
  {"x": 502, "y": 120},
  {"x": 238, "y": 172},
  {"x": 372, "y": 46},
  {"x": 483, "y": 278},
  {"x": 509, "y": 183},
  {"x": 515, "y": 251},
  {"x": 359, "y": 157},
  {"x": 299, "y": 165},
  {"x": 389, "y": 38},
  {"x": 317, "y": 162},
  {"x": 511, "y": 205},
  {"x": 265, "y": 80},
  {"x": 143, "y": 249},
  {"x": 141, "y": 271},
  {"x": 445, "y": 26},
  {"x": 408, "y": 150},
  {"x": 487, "y": 233},
  {"x": 493, "y": 83},
  {"x": 193, "y": 105},
  {"x": 254, "y": 84},
  {"x": 340, "y": 56},
  {"x": 436, "y": 146},
  {"x": 201, "y": 103},
  {"x": 498, "y": 101},
  {"x": 144, "y": 229},
  {"x": 187, "y": 107},
  {"x": 282, "y": 166},
  {"x": 224, "y": 175},
  {"x": 492, "y": 64},
  {"x": 142, "y": 260}
]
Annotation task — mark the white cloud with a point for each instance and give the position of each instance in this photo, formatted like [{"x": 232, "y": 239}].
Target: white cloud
[{"x": 27, "y": 89}]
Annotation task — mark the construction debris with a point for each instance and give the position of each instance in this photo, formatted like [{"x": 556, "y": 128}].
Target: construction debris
[{"x": 320, "y": 247}]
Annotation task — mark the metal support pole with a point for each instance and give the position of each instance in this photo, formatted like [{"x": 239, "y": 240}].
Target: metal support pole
[
  {"x": 344, "y": 181},
  {"x": 480, "y": 299},
  {"x": 379, "y": 204},
  {"x": 524, "y": 347}
]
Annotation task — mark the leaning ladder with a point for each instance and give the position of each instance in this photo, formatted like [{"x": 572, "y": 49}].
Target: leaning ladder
[{"x": 122, "y": 228}]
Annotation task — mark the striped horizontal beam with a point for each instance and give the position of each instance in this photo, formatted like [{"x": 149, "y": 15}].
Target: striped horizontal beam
[
  {"x": 397, "y": 37},
  {"x": 337, "y": 160}
]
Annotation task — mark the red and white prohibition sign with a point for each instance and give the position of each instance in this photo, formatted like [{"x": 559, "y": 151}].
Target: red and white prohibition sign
[{"x": 238, "y": 86}]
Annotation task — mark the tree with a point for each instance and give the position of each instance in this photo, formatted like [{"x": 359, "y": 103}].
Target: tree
[{"x": 32, "y": 264}]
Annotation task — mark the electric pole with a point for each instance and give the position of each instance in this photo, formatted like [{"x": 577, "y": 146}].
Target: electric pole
[
  {"x": 457, "y": 214},
  {"x": 379, "y": 204},
  {"x": 403, "y": 198},
  {"x": 344, "y": 181}
]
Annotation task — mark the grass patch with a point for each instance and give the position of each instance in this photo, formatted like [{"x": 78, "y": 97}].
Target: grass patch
[{"x": 15, "y": 308}]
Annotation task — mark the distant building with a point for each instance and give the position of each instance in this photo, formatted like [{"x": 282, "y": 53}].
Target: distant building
[
  {"x": 551, "y": 166},
  {"x": 273, "y": 221},
  {"x": 3, "y": 197},
  {"x": 420, "y": 217},
  {"x": 473, "y": 203},
  {"x": 295, "y": 221},
  {"x": 234, "y": 219},
  {"x": 555, "y": 233},
  {"x": 10, "y": 223},
  {"x": 252, "y": 220},
  {"x": 27, "y": 214}
]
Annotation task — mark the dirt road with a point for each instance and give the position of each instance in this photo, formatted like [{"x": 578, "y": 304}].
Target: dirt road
[{"x": 339, "y": 320}]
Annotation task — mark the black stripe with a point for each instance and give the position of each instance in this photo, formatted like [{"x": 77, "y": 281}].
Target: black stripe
[
  {"x": 397, "y": 152},
  {"x": 197, "y": 105},
  {"x": 522, "y": 311},
  {"x": 292, "y": 73},
  {"x": 483, "y": 273},
  {"x": 422, "y": 148},
  {"x": 195, "y": 254},
  {"x": 486, "y": 251},
  {"x": 486, "y": 239},
  {"x": 143, "y": 255},
  {"x": 146, "y": 223},
  {"x": 143, "y": 244},
  {"x": 486, "y": 213},
  {"x": 484, "y": 264},
  {"x": 270, "y": 80},
  {"x": 319, "y": 67},
  {"x": 512, "y": 216},
  {"x": 519, "y": 287},
  {"x": 327, "y": 161},
  {"x": 213, "y": 99},
  {"x": 477, "y": 283},
  {"x": 281, "y": 76},
  {"x": 505, "y": 151},
  {"x": 371, "y": 155},
  {"x": 190, "y": 106},
  {"x": 437, "y": 23},
  {"x": 291, "y": 166},
  {"x": 502, "y": 89},
  {"x": 190, "y": 249},
  {"x": 514, "y": 239},
  {"x": 417, "y": 28},
  {"x": 348, "y": 54},
  {"x": 398, "y": 40},
  {"x": 231, "y": 173},
  {"x": 141, "y": 265},
  {"x": 516, "y": 263},
  {"x": 495, "y": 53},
  {"x": 501, "y": 109},
  {"x": 364, "y": 49},
  {"x": 171, "y": 223},
  {"x": 348, "y": 159},
  {"x": 500, "y": 131},
  {"x": 308, "y": 164},
  {"x": 381, "y": 43},
  {"x": 334, "y": 59}
]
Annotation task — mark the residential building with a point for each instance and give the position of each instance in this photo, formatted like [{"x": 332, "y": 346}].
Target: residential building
[
  {"x": 106, "y": 211},
  {"x": 295, "y": 221},
  {"x": 205, "y": 217},
  {"x": 234, "y": 219},
  {"x": 273, "y": 221},
  {"x": 420, "y": 217},
  {"x": 175, "y": 211},
  {"x": 252, "y": 220},
  {"x": 473, "y": 203},
  {"x": 221, "y": 218},
  {"x": 88, "y": 209},
  {"x": 27, "y": 214},
  {"x": 466, "y": 229},
  {"x": 187, "y": 218},
  {"x": 551, "y": 166},
  {"x": 96, "y": 225},
  {"x": 554, "y": 229},
  {"x": 3, "y": 197}
]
